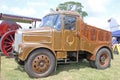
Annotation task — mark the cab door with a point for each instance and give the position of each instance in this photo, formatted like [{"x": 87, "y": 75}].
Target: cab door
[{"x": 70, "y": 39}]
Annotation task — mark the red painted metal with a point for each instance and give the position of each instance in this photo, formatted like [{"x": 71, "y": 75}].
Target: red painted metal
[
  {"x": 8, "y": 28},
  {"x": 7, "y": 42}
]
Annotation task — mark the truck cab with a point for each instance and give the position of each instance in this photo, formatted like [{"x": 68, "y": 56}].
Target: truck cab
[{"x": 63, "y": 37}]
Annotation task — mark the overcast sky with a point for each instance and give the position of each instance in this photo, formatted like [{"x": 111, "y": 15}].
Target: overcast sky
[{"x": 99, "y": 11}]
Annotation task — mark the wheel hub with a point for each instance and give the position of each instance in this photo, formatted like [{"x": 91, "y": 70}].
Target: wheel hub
[
  {"x": 102, "y": 59},
  {"x": 41, "y": 64}
]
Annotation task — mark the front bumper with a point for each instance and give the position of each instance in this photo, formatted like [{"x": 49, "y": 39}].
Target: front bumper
[
  {"x": 18, "y": 61},
  {"x": 15, "y": 53}
]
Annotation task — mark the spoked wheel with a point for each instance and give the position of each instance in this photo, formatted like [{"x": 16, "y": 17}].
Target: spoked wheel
[
  {"x": 40, "y": 63},
  {"x": 7, "y": 42}
]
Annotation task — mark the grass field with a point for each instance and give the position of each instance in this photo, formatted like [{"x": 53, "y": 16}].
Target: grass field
[{"x": 81, "y": 71}]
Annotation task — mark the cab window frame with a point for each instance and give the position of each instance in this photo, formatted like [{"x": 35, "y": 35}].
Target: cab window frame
[{"x": 70, "y": 22}]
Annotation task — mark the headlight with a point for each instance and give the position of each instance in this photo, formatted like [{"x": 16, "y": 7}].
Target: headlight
[
  {"x": 18, "y": 40},
  {"x": 20, "y": 50}
]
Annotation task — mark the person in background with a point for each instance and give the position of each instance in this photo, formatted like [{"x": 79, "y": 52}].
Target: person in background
[
  {"x": 118, "y": 40},
  {"x": 114, "y": 40},
  {"x": 114, "y": 44}
]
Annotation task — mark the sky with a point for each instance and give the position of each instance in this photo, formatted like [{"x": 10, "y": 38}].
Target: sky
[{"x": 99, "y": 11}]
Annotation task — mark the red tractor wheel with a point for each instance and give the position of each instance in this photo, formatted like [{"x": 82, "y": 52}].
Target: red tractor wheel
[{"x": 7, "y": 42}]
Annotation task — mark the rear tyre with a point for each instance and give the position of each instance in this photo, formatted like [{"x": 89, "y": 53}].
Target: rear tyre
[
  {"x": 0, "y": 44},
  {"x": 41, "y": 63},
  {"x": 103, "y": 59},
  {"x": 7, "y": 43}
]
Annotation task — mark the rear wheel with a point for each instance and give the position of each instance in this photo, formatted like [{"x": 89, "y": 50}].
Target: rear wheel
[
  {"x": 103, "y": 59},
  {"x": 7, "y": 42},
  {"x": 41, "y": 63}
]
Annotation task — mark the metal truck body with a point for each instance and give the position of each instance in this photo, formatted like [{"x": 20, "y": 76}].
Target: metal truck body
[{"x": 63, "y": 37}]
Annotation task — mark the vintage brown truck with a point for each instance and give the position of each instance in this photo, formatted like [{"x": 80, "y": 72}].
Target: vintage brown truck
[{"x": 63, "y": 37}]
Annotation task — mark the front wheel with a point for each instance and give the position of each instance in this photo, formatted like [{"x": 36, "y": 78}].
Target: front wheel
[
  {"x": 41, "y": 63},
  {"x": 103, "y": 59}
]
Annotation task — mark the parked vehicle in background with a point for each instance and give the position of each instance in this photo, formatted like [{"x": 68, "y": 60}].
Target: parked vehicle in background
[
  {"x": 8, "y": 28},
  {"x": 63, "y": 37}
]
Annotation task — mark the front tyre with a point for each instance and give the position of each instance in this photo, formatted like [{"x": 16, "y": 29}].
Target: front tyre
[{"x": 41, "y": 63}]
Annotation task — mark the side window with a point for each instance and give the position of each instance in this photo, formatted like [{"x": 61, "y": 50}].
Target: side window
[
  {"x": 70, "y": 22},
  {"x": 58, "y": 24}
]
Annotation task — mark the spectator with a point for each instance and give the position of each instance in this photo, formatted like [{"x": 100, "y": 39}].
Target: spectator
[
  {"x": 114, "y": 40},
  {"x": 118, "y": 39}
]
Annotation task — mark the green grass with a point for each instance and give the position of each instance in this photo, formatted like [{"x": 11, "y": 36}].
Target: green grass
[{"x": 10, "y": 70}]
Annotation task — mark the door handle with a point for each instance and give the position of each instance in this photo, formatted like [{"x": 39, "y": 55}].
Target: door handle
[{"x": 77, "y": 34}]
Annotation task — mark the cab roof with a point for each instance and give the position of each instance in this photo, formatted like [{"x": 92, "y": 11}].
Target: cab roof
[{"x": 65, "y": 13}]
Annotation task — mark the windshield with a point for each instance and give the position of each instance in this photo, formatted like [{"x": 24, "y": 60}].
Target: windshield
[{"x": 53, "y": 21}]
